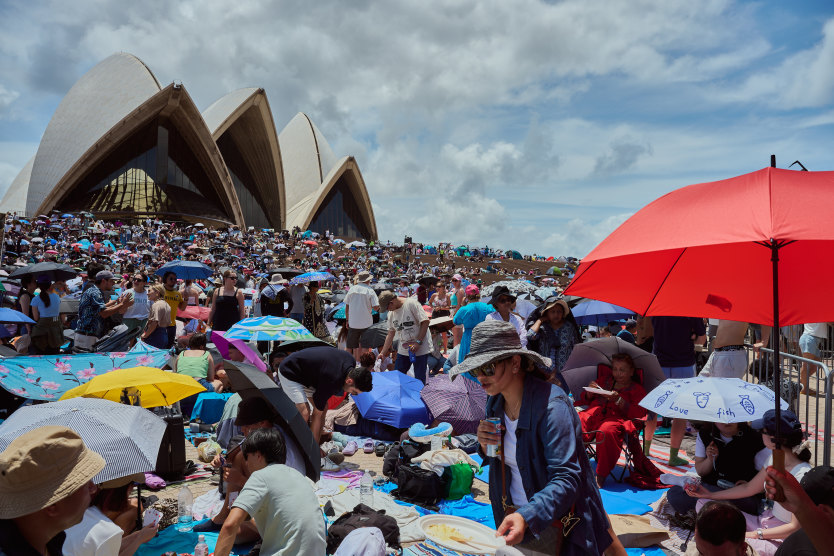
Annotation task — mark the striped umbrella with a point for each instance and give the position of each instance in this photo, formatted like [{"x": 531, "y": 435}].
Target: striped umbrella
[
  {"x": 308, "y": 277},
  {"x": 127, "y": 437},
  {"x": 461, "y": 402}
]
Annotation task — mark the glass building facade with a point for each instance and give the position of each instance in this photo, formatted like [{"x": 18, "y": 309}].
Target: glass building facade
[
  {"x": 248, "y": 195},
  {"x": 340, "y": 214},
  {"x": 153, "y": 172}
]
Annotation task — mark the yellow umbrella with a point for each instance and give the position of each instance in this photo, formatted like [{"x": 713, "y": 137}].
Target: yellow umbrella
[{"x": 155, "y": 386}]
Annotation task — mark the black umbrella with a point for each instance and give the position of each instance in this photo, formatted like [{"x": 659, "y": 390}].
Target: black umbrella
[
  {"x": 55, "y": 271},
  {"x": 428, "y": 280},
  {"x": 287, "y": 272},
  {"x": 248, "y": 381},
  {"x": 291, "y": 346},
  {"x": 374, "y": 337}
]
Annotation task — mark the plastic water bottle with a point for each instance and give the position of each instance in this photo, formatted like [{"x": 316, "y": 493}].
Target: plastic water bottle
[
  {"x": 202, "y": 548},
  {"x": 436, "y": 443},
  {"x": 366, "y": 489},
  {"x": 185, "y": 501}
]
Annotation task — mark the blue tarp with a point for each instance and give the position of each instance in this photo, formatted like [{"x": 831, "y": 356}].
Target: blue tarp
[{"x": 48, "y": 377}]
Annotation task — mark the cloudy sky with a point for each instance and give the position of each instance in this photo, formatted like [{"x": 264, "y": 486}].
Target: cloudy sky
[{"x": 519, "y": 124}]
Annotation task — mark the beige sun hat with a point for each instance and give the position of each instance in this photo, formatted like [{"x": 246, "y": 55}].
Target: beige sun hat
[{"x": 44, "y": 466}]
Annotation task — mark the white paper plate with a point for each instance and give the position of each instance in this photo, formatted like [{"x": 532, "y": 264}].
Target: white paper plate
[
  {"x": 468, "y": 529},
  {"x": 597, "y": 390}
]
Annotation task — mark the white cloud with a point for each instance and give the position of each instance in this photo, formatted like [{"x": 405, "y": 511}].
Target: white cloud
[{"x": 469, "y": 118}]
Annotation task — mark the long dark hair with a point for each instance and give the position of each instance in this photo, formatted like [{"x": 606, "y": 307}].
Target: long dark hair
[{"x": 44, "y": 294}]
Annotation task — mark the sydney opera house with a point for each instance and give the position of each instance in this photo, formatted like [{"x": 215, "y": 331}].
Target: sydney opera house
[{"x": 122, "y": 146}]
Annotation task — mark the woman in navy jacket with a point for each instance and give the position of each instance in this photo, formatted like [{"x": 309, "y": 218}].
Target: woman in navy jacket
[{"x": 546, "y": 474}]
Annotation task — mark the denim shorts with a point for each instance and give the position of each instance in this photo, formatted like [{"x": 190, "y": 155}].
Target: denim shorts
[
  {"x": 679, "y": 372},
  {"x": 810, "y": 344}
]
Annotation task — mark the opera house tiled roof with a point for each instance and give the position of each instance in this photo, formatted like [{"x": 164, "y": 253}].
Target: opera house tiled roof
[{"x": 122, "y": 146}]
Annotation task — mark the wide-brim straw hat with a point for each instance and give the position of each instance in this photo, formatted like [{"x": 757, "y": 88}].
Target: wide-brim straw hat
[
  {"x": 493, "y": 340},
  {"x": 42, "y": 467}
]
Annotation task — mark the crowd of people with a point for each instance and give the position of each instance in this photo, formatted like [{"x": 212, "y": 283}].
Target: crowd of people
[{"x": 543, "y": 489}]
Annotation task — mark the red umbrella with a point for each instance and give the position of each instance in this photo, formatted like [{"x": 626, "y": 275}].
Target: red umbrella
[
  {"x": 754, "y": 248},
  {"x": 309, "y": 242},
  {"x": 194, "y": 312}
]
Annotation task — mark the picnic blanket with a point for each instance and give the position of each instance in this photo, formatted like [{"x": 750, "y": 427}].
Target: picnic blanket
[
  {"x": 171, "y": 540},
  {"x": 48, "y": 377}
]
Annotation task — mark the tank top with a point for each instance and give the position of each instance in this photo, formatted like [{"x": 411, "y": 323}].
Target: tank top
[
  {"x": 226, "y": 312},
  {"x": 193, "y": 366}
]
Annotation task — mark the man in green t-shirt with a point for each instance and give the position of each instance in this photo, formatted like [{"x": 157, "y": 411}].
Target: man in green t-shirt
[{"x": 279, "y": 499}]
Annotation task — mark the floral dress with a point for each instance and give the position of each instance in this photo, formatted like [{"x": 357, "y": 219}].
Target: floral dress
[{"x": 314, "y": 316}]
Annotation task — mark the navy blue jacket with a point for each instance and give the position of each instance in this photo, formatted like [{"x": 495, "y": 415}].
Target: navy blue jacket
[{"x": 554, "y": 469}]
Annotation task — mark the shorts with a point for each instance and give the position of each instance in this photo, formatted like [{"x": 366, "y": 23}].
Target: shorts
[
  {"x": 353, "y": 336},
  {"x": 298, "y": 393},
  {"x": 811, "y": 344},
  {"x": 84, "y": 341},
  {"x": 729, "y": 364},
  {"x": 679, "y": 372}
]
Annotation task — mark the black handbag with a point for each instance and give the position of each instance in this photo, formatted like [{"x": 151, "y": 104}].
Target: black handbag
[{"x": 416, "y": 485}]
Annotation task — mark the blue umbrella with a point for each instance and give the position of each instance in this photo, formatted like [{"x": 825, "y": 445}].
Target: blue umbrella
[
  {"x": 268, "y": 329},
  {"x": 599, "y": 312},
  {"x": 186, "y": 270},
  {"x": 66, "y": 215},
  {"x": 308, "y": 277},
  {"x": 395, "y": 400},
  {"x": 11, "y": 316}
]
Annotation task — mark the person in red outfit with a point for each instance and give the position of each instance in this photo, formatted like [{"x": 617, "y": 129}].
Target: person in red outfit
[{"x": 611, "y": 414}]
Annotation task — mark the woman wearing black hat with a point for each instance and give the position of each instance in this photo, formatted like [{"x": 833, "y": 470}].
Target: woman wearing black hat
[
  {"x": 541, "y": 485},
  {"x": 504, "y": 301},
  {"x": 767, "y": 531}
]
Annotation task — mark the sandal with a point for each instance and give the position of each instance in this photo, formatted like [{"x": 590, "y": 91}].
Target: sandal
[
  {"x": 380, "y": 449},
  {"x": 368, "y": 446}
]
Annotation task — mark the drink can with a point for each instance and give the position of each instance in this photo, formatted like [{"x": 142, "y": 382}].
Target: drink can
[{"x": 492, "y": 450}]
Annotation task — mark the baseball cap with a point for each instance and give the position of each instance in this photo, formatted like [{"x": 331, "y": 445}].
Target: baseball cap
[
  {"x": 472, "y": 289},
  {"x": 104, "y": 275},
  {"x": 789, "y": 424},
  {"x": 385, "y": 299}
]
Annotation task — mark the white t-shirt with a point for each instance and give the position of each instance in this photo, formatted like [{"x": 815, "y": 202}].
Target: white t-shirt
[
  {"x": 818, "y": 329},
  {"x": 141, "y": 307},
  {"x": 516, "y": 321},
  {"x": 517, "y": 494},
  {"x": 361, "y": 300},
  {"x": 798, "y": 472},
  {"x": 406, "y": 321},
  {"x": 286, "y": 511},
  {"x": 96, "y": 535}
]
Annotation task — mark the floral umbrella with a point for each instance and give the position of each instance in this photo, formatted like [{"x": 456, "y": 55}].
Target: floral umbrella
[{"x": 48, "y": 377}]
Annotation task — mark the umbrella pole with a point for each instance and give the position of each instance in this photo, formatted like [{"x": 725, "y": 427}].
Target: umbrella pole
[{"x": 778, "y": 454}]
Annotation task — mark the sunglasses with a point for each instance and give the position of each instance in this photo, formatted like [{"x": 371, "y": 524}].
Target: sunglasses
[
  {"x": 139, "y": 280},
  {"x": 486, "y": 370},
  {"x": 505, "y": 300}
]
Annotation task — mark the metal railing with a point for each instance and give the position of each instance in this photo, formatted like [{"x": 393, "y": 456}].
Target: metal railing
[{"x": 807, "y": 406}]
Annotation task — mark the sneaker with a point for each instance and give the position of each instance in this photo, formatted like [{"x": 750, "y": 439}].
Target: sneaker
[
  {"x": 350, "y": 448},
  {"x": 328, "y": 465},
  {"x": 335, "y": 456}
]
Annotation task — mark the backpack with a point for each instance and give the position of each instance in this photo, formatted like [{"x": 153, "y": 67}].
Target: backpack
[
  {"x": 416, "y": 485},
  {"x": 401, "y": 453},
  {"x": 363, "y": 516}
]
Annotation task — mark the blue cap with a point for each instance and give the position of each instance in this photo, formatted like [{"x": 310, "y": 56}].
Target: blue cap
[{"x": 789, "y": 423}]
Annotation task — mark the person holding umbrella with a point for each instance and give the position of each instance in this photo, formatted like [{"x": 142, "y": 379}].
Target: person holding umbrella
[
  {"x": 766, "y": 531},
  {"x": 313, "y": 319},
  {"x": 541, "y": 485}
]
